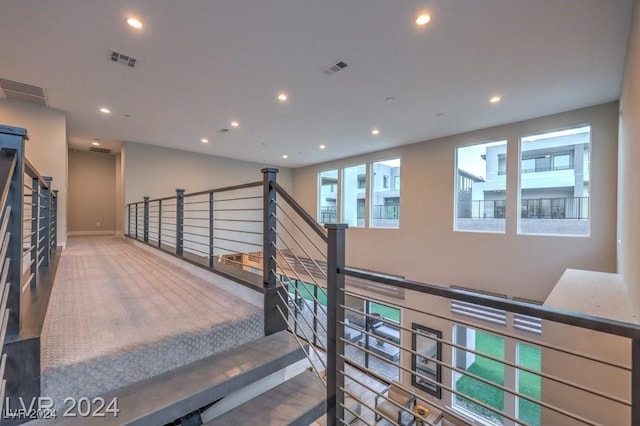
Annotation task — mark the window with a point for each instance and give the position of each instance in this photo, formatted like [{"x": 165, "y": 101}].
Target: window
[
  {"x": 480, "y": 366},
  {"x": 555, "y": 183},
  {"x": 354, "y": 195},
  {"x": 481, "y": 184},
  {"x": 385, "y": 202},
  {"x": 327, "y": 196},
  {"x": 383, "y": 338},
  {"x": 529, "y": 384},
  {"x": 396, "y": 183}
]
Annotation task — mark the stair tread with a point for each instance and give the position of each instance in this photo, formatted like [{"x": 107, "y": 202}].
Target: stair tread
[
  {"x": 298, "y": 401},
  {"x": 168, "y": 396}
]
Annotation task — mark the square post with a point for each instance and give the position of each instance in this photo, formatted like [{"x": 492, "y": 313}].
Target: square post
[
  {"x": 635, "y": 381},
  {"x": 145, "y": 226},
  {"x": 35, "y": 227},
  {"x": 273, "y": 294},
  {"x": 159, "y": 223},
  {"x": 136, "y": 220},
  {"x": 179, "y": 222},
  {"x": 54, "y": 220},
  {"x": 46, "y": 200},
  {"x": 335, "y": 320},
  {"x": 211, "y": 230}
]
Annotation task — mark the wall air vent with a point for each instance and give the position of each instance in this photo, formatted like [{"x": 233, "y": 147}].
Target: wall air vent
[
  {"x": 122, "y": 59},
  {"x": 23, "y": 92},
  {"x": 334, "y": 68},
  {"x": 100, "y": 150}
]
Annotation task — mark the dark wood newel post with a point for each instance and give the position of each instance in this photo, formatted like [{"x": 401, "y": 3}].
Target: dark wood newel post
[
  {"x": 273, "y": 319},
  {"x": 335, "y": 318}
]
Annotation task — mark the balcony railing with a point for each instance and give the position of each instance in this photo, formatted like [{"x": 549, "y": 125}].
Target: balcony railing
[
  {"x": 330, "y": 214},
  {"x": 531, "y": 208}
]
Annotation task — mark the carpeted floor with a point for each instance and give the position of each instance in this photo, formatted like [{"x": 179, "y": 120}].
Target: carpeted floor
[{"x": 120, "y": 314}]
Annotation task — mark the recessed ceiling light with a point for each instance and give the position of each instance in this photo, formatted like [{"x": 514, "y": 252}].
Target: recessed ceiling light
[
  {"x": 495, "y": 99},
  {"x": 135, "y": 23},
  {"x": 375, "y": 132},
  {"x": 323, "y": 147},
  {"x": 285, "y": 156},
  {"x": 423, "y": 19},
  {"x": 282, "y": 97},
  {"x": 105, "y": 110},
  {"x": 95, "y": 143},
  {"x": 234, "y": 124},
  {"x": 203, "y": 140}
]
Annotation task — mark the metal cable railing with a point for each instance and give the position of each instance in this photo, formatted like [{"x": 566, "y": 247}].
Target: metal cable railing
[
  {"x": 28, "y": 240},
  {"x": 389, "y": 348}
]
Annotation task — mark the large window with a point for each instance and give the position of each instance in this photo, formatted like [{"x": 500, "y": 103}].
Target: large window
[
  {"x": 328, "y": 196},
  {"x": 481, "y": 185},
  {"x": 555, "y": 183},
  {"x": 385, "y": 200},
  {"x": 354, "y": 195},
  {"x": 529, "y": 384},
  {"x": 488, "y": 369}
]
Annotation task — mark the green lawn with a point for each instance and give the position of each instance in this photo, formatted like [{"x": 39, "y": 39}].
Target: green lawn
[
  {"x": 306, "y": 291},
  {"x": 529, "y": 384}
]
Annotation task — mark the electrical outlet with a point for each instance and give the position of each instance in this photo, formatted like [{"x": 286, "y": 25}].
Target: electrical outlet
[{"x": 97, "y": 224}]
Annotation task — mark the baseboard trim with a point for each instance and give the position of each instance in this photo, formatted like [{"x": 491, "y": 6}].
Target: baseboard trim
[{"x": 88, "y": 233}]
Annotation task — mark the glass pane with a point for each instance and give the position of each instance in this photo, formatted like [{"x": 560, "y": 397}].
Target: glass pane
[
  {"x": 328, "y": 193},
  {"x": 385, "y": 200},
  {"x": 554, "y": 195},
  {"x": 490, "y": 370},
  {"x": 529, "y": 384},
  {"x": 481, "y": 187},
  {"x": 353, "y": 195}
]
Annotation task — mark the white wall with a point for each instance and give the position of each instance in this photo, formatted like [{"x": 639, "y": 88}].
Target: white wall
[
  {"x": 157, "y": 172},
  {"x": 629, "y": 157},
  {"x": 426, "y": 248},
  {"x": 46, "y": 148}
]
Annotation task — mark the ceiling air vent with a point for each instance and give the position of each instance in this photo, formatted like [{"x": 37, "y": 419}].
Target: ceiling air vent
[
  {"x": 23, "y": 92},
  {"x": 100, "y": 150},
  {"x": 122, "y": 59},
  {"x": 334, "y": 68}
]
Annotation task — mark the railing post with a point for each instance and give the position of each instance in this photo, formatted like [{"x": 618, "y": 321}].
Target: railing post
[
  {"x": 136, "y": 207},
  {"x": 211, "y": 230},
  {"x": 35, "y": 226},
  {"x": 635, "y": 381},
  {"x": 274, "y": 321},
  {"x": 145, "y": 225},
  {"x": 54, "y": 220},
  {"x": 335, "y": 320},
  {"x": 179, "y": 222},
  {"x": 159, "y": 223},
  {"x": 47, "y": 226},
  {"x": 13, "y": 139}
]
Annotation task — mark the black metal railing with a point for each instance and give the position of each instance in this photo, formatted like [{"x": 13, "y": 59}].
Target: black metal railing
[
  {"x": 367, "y": 331},
  {"x": 28, "y": 240},
  {"x": 391, "y": 212},
  {"x": 531, "y": 208}
]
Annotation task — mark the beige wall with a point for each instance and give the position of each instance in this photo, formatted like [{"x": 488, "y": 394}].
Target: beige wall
[
  {"x": 426, "y": 248},
  {"x": 46, "y": 148},
  {"x": 157, "y": 172},
  {"x": 119, "y": 194},
  {"x": 92, "y": 193},
  {"x": 629, "y": 158}
]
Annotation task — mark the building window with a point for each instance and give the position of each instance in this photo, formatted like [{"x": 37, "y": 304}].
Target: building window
[
  {"x": 555, "y": 183},
  {"x": 385, "y": 202},
  {"x": 396, "y": 183},
  {"x": 492, "y": 371},
  {"x": 481, "y": 185},
  {"x": 354, "y": 195},
  {"x": 327, "y": 197}
]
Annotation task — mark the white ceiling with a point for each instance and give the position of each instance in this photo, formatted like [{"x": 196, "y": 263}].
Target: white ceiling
[{"x": 203, "y": 63}]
